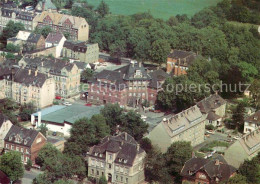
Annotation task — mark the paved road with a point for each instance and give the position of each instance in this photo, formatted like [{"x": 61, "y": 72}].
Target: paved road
[{"x": 30, "y": 175}]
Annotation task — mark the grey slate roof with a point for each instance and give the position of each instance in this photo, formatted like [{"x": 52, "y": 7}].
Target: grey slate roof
[
  {"x": 34, "y": 38},
  {"x": 76, "y": 46},
  {"x": 54, "y": 38},
  {"x": 3, "y": 119},
  {"x": 186, "y": 57},
  {"x": 254, "y": 118},
  {"x": 210, "y": 103},
  {"x": 22, "y": 76},
  {"x": 222, "y": 171},
  {"x": 157, "y": 76},
  {"x": 54, "y": 65},
  {"x": 27, "y": 135},
  {"x": 124, "y": 145},
  {"x": 212, "y": 116}
]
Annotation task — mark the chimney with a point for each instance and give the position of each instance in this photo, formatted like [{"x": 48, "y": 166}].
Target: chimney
[
  {"x": 36, "y": 73},
  {"x": 125, "y": 136},
  {"x": 140, "y": 64},
  {"x": 42, "y": 63},
  {"x": 217, "y": 162},
  {"x": 29, "y": 72}
]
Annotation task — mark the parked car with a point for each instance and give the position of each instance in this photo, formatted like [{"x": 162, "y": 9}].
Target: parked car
[
  {"x": 236, "y": 137},
  {"x": 210, "y": 132},
  {"x": 58, "y": 97},
  {"x": 54, "y": 133},
  {"x": 88, "y": 104},
  {"x": 67, "y": 103}
]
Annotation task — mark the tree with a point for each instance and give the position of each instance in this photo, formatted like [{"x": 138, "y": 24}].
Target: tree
[
  {"x": 251, "y": 170},
  {"x": 43, "y": 129},
  {"x": 12, "y": 165},
  {"x": 26, "y": 111},
  {"x": 103, "y": 9},
  {"x": 237, "y": 179},
  {"x": 87, "y": 74},
  {"x": 102, "y": 180},
  {"x": 12, "y": 48},
  {"x": 172, "y": 21},
  {"x": 238, "y": 115},
  {"x": 146, "y": 144},
  {"x": 28, "y": 165},
  {"x": 155, "y": 167},
  {"x": 113, "y": 115},
  {"x": 255, "y": 91},
  {"x": 134, "y": 125},
  {"x": 101, "y": 128},
  {"x": 159, "y": 51},
  {"x": 11, "y": 30},
  {"x": 47, "y": 151},
  {"x": 45, "y": 31},
  {"x": 248, "y": 71},
  {"x": 176, "y": 156}
]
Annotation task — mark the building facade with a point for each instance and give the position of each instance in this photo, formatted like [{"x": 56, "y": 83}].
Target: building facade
[
  {"x": 252, "y": 122},
  {"x": 178, "y": 62},
  {"x": 188, "y": 125},
  {"x": 130, "y": 85},
  {"x": 119, "y": 158},
  {"x": 10, "y": 12},
  {"x": 27, "y": 86},
  {"x": 26, "y": 141},
  {"x": 5, "y": 125},
  {"x": 65, "y": 74},
  {"x": 75, "y": 27},
  {"x": 81, "y": 51},
  {"x": 55, "y": 40},
  {"x": 34, "y": 41}
]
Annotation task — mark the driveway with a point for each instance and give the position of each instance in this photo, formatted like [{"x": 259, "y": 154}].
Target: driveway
[{"x": 30, "y": 175}]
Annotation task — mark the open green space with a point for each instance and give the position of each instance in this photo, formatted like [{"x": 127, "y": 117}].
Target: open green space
[{"x": 158, "y": 8}]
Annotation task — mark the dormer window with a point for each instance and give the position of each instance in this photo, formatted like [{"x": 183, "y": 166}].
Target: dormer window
[
  {"x": 10, "y": 138},
  {"x": 96, "y": 154},
  {"x": 100, "y": 155},
  {"x": 125, "y": 161},
  {"x": 120, "y": 159}
]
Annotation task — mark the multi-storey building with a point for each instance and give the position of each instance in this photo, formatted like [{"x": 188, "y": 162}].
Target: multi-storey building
[
  {"x": 252, "y": 122},
  {"x": 27, "y": 86},
  {"x": 5, "y": 125},
  {"x": 129, "y": 85},
  {"x": 75, "y": 27},
  {"x": 55, "y": 40},
  {"x": 79, "y": 50},
  {"x": 65, "y": 74},
  {"x": 188, "y": 125},
  {"x": 178, "y": 62},
  {"x": 10, "y": 12},
  {"x": 26, "y": 141},
  {"x": 243, "y": 149},
  {"x": 119, "y": 158}
]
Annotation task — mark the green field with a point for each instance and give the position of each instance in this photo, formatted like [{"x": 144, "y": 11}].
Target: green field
[{"x": 159, "y": 8}]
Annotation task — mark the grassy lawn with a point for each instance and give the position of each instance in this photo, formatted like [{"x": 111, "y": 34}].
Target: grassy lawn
[
  {"x": 209, "y": 147},
  {"x": 158, "y": 8}
]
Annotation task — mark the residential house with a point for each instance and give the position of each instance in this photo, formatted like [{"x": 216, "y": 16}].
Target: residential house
[
  {"x": 27, "y": 86},
  {"x": 26, "y": 141},
  {"x": 76, "y": 28},
  {"x": 5, "y": 125},
  {"x": 55, "y": 40},
  {"x": 188, "y": 125},
  {"x": 20, "y": 39},
  {"x": 34, "y": 41},
  {"x": 65, "y": 74},
  {"x": 10, "y": 12},
  {"x": 252, "y": 122},
  {"x": 129, "y": 85},
  {"x": 245, "y": 148},
  {"x": 81, "y": 51},
  {"x": 45, "y": 5},
  {"x": 214, "y": 108},
  {"x": 119, "y": 158},
  {"x": 178, "y": 62},
  {"x": 207, "y": 171}
]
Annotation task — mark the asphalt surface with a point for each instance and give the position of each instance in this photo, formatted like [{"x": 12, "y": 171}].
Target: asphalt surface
[{"x": 30, "y": 175}]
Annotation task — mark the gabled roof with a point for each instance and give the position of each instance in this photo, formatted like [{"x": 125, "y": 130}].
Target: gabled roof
[
  {"x": 54, "y": 38},
  {"x": 27, "y": 135},
  {"x": 124, "y": 145},
  {"x": 180, "y": 122},
  {"x": 3, "y": 118},
  {"x": 34, "y": 38},
  {"x": 157, "y": 76},
  {"x": 211, "y": 103},
  {"x": 254, "y": 118},
  {"x": 48, "y": 5},
  {"x": 213, "y": 116},
  {"x": 215, "y": 168},
  {"x": 185, "y": 58}
]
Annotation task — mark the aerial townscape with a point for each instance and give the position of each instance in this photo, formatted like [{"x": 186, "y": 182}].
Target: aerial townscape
[{"x": 129, "y": 92}]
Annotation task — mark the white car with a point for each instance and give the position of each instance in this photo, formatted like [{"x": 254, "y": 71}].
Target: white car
[
  {"x": 236, "y": 138},
  {"x": 67, "y": 103}
]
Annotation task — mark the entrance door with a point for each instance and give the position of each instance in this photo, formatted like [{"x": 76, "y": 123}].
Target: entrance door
[{"x": 109, "y": 178}]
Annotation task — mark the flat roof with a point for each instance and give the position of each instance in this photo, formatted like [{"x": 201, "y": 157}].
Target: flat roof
[
  {"x": 69, "y": 113},
  {"x": 50, "y": 109}
]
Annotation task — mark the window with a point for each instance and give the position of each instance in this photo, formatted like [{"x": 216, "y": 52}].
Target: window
[
  {"x": 109, "y": 166},
  {"x": 38, "y": 140},
  {"x": 121, "y": 178},
  {"x": 17, "y": 148},
  {"x": 126, "y": 180},
  {"x": 98, "y": 173},
  {"x": 21, "y": 149},
  {"x": 27, "y": 151},
  {"x": 7, "y": 146},
  {"x": 116, "y": 177},
  {"x": 110, "y": 156},
  {"x": 121, "y": 169},
  {"x": 22, "y": 158},
  {"x": 26, "y": 159},
  {"x": 92, "y": 171},
  {"x": 102, "y": 164},
  {"x": 102, "y": 173},
  {"x": 12, "y": 147}
]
